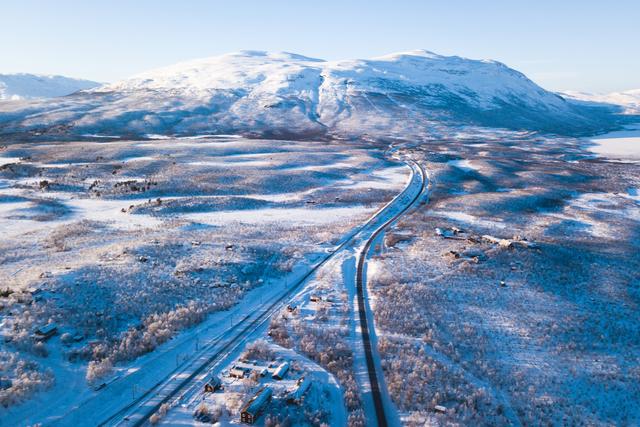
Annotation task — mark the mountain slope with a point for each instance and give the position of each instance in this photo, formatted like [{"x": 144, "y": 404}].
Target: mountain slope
[
  {"x": 283, "y": 94},
  {"x": 629, "y": 100},
  {"x": 28, "y": 86}
]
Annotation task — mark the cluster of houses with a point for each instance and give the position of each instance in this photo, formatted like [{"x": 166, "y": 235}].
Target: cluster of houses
[
  {"x": 257, "y": 404},
  {"x": 244, "y": 369},
  {"x": 254, "y": 407},
  {"x": 456, "y": 233}
]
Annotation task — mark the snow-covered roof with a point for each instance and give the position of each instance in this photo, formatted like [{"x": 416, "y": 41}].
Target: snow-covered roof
[{"x": 257, "y": 402}]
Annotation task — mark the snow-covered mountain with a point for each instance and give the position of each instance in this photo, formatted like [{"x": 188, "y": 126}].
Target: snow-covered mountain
[
  {"x": 628, "y": 100},
  {"x": 29, "y": 86},
  {"x": 284, "y": 94}
]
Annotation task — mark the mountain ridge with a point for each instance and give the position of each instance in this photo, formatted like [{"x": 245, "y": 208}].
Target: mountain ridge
[
  {"x": 628, "y": 100},
  {"x": 282, "y": 94},
  {"x": 28, "y": 86}
]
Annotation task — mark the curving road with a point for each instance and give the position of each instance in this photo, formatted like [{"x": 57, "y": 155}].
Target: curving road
[
  {"x": 173, "y": 388},
  {"x": 368, "y": 331}
]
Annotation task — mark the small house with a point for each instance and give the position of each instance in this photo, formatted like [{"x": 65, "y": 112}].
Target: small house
[
  {"x": 450, "y": 233},
  {"x": 43, "y": 333},
  {"x": 213, "y": 383},
  {"x": 440, "y": 409},
  {"x": 254, "y": 407},
  {"x": 280, "y": 371},
  {"x": 237, "y": 372}
]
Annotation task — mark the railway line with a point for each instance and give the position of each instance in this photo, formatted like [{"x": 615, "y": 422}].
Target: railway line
[{"x": 182, "y": 382}]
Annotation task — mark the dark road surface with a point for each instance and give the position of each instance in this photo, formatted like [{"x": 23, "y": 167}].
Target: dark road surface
[{"x": 381, "y": 416}]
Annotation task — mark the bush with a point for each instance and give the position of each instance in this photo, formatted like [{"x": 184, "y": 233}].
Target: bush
[
  {"x": 98, "y": 369},
  {"x": 258, "y": 350},
  {"x": 26, "y": 378}
]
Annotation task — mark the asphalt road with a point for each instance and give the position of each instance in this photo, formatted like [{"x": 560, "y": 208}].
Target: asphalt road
[
  {"x": 367, "y": 331},
  {"x": 167, "y": 391}
]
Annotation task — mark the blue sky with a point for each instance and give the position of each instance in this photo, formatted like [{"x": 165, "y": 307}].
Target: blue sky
[{"x": 578, "y": 45}]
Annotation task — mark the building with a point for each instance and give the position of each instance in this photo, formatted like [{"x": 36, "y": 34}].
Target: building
[
  {"x": 254, "y": 407},
  {"x": 280, "y": 371},
  {"x": 237, "y": 372},
  {"x": 440, "y": 409},
  {"x": 297, "y": 394},
  {"x": 43, "y": 333},
  {"x": 213, "y": 383}
]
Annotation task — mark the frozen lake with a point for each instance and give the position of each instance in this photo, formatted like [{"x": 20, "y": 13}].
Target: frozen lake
[{"x": 619, "y": 145}]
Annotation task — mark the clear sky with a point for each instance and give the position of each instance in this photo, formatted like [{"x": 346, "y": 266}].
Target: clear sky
[{"x": 589, "y": 45}]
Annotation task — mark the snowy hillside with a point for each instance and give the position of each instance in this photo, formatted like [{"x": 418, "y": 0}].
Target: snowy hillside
[
  {"x": 27, "y": 86},
  {"x": 628, "y": 100},
  {"x": 283, "y": 94}
]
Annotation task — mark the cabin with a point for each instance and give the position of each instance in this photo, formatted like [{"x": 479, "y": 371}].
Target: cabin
[
  {"x": 43, "y": 333},
  {"x": 297, "y": 394},
  {"x": 440, "y": 409},
  {"x": 254, "y": 407},
  {"x": 450, "y": 233},
  {"x": 237, "y": 372},
  {"x": 280, "y": 371},
  {"x": 213, "y": 383}
]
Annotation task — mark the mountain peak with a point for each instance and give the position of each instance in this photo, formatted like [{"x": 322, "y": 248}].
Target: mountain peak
[
  {"x": 283, "y": 93},
  {"x": 276, "y": 55},
  {"x": 417, "y": 52}
]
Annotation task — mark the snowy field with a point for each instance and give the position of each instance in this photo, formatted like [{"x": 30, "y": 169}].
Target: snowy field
[
  {"x": 127, "y": 246},
  {"x": 511, "y": 298},
  {"x": 623, "y": 144}
]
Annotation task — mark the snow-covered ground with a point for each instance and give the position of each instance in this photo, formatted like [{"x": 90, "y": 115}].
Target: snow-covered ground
[
  {"x": 508, "y": 298},
  {"x": 126, "y": 244},
  {"x": 623, "y": 144}
]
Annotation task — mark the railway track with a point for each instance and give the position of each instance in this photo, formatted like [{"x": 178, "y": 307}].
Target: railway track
[
  {"x": 367, "y": 331},
  {"x": 171, "y": 389}
]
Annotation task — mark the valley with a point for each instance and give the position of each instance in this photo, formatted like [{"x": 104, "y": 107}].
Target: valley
[
  {"x": 130, "y": 243},
  {"x": 265, "y": 237}
]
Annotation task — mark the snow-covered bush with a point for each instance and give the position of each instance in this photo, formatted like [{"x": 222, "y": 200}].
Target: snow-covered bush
[
  {"x": 98, "y": 369},
  {"x": 23, "y": 378},
  {"x": 258, "y": 350}
]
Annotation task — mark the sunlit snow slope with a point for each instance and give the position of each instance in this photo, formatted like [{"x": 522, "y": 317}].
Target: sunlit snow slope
[
  {"x": 628, "y": 101},
  {"x": 283, "y": 94},
  {"x": 26, "y": 86}
]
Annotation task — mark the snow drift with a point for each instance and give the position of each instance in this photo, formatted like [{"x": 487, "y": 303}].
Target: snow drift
[{"x": 289, "y": 95}]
